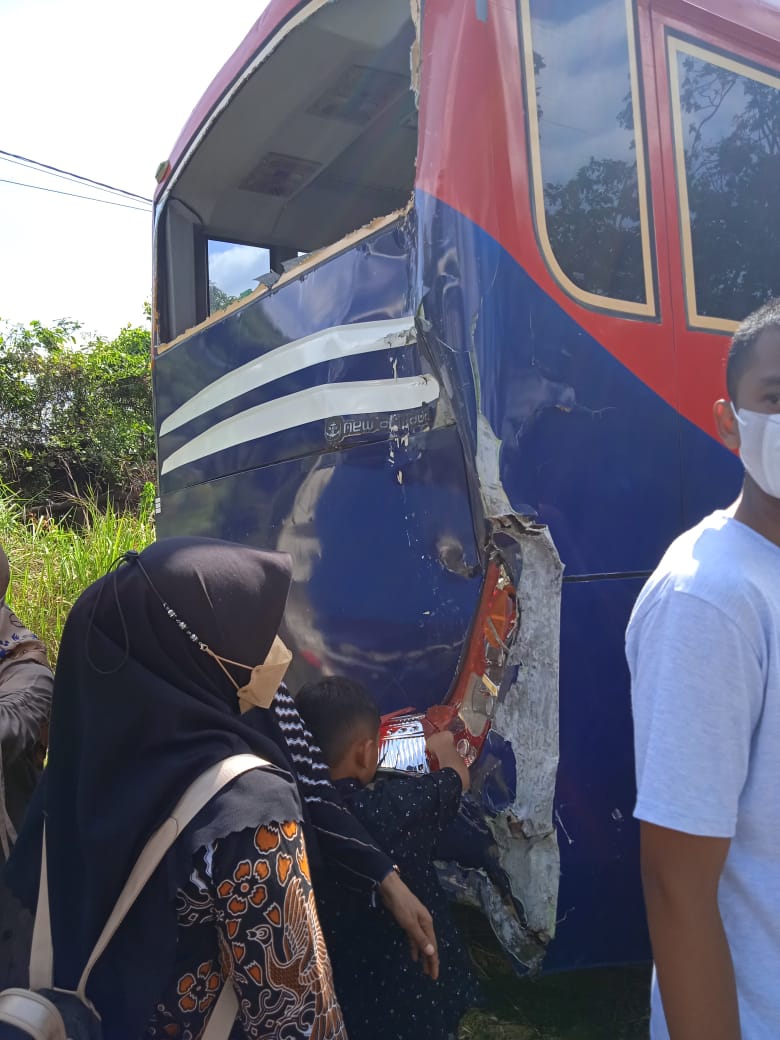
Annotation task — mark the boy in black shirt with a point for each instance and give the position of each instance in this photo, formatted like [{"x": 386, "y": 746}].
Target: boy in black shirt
[{"x": 382, "y": 995}]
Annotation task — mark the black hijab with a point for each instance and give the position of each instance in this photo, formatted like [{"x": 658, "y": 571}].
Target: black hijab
[{"x": 139, "y": 711}]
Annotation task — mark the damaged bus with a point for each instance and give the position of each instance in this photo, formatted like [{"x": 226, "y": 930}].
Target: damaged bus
[{"x": 443, "y": 293}]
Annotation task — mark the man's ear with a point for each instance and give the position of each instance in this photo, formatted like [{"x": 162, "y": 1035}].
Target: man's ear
[{"x": 726, "y": 424}]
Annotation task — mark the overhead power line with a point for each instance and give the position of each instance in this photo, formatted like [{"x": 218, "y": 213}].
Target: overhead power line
[
  {"x": 56, "y": 171},
  {"x": 73, "y": 195},
  {"x": 70, "y": 179}
]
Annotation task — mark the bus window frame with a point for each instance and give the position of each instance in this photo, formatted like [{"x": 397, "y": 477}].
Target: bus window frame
[
  {"x": 649, "y": 310},
  {"x": 202, "y": 303},
  {"x": 675, "y": 44}
]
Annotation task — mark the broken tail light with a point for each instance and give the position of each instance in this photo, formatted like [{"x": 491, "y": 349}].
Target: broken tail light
[{"x": 472, "y": 702}]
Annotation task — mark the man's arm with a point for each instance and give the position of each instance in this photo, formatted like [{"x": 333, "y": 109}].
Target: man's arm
[{"x": 680, "y": 875}]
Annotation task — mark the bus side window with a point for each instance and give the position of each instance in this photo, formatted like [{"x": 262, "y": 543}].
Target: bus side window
[
  {"x": 234, "y": 270},
  {"x": 587, "y": 151},
  {"x": 727, "y": 144}
]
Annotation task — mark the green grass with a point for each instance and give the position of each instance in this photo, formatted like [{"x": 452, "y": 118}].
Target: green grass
[
  {"x": 601, "y": 1004},
  {"x": 53, "y": 561}
]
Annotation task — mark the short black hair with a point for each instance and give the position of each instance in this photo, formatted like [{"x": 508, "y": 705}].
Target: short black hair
[
  {"x": 741, "y": 349},
  {"x": 335, "y": 710}
]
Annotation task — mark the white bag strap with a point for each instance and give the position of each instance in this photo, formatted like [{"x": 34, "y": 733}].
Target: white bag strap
[
  {"x": 41, "y": 952},
  {"x": 223, "y": 1016},
  {"x": 198, "y": 794}
]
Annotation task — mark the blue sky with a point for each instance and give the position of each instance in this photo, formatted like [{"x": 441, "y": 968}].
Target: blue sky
[
  {"x": 101, "y": 90},
  {"x": 582, "y": 87},
  {"x": 236, "y": 268}
]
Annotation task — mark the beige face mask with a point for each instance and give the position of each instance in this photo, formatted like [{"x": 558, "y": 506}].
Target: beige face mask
[{"x": 265, "y": 679}]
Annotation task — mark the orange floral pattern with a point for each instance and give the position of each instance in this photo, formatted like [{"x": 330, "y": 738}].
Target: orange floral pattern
[
  {"x": 198, "y": 991},
  {"x": 247, "y": 918}
]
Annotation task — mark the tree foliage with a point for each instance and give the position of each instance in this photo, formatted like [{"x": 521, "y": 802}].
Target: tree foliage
[
  {"x": 732, "y": 153},
  {"x": 218, "y": 298},
  {"x": 75, "y": 414}
]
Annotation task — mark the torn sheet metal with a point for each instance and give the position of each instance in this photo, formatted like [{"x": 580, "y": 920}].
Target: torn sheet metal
[
  {"x": 487, "y": 462},
  {"x": 519, "y": 895},
  {"x": 414, "y": 56},
  {"x": 527, "y": 717}
]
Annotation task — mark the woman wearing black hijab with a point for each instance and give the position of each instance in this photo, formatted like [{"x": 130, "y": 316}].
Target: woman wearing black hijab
[{"x": 141, "y": 707}]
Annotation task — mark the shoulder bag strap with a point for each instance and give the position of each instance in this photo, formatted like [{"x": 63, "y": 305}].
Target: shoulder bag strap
[
  {"x": 223, "y": 1016},
  {"x": 197, "y": 795},
  {"x": 41, "y": 953}
]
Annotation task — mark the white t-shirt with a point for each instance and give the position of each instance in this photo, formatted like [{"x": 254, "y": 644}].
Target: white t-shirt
[{"x": 703, "y": 647}]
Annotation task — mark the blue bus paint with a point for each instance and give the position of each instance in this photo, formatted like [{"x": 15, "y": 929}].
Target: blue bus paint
[
  {"x": 369, "y": 283},
  {"x": 586, "y": 446},
  {"x": 388, "y": 536},
  {"x": 376, "y": 595}
]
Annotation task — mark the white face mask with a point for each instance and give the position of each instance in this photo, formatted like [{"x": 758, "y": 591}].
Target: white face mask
[{"x": 759, "y": 448}]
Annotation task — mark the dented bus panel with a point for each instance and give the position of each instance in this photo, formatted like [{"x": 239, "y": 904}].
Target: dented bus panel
[{"x": 433, "y": 314}]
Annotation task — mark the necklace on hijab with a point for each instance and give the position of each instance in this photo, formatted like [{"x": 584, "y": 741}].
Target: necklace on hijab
[{"x": 264, "y": 680}]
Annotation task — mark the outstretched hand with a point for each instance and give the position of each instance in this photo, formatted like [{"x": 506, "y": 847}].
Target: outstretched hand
[{"x": 415, "y": 920}]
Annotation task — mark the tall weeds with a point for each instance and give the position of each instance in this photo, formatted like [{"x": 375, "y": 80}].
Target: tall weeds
[{"x": 53, "y": 561}]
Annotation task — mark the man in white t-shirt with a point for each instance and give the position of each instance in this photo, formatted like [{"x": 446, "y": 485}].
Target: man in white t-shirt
[{"x": 703, "y": 647}]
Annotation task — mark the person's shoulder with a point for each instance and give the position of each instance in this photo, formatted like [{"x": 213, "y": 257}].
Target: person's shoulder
[
  {"x": 719, "y": 562},
  {"x": 364, "y": 802},
  {"x": 350, "y": 791},
  {"x": 411, "y": 800}
]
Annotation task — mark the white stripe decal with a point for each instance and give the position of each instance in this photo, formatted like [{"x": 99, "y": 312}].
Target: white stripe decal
[
  {"x": 329, "y": 345},
  {"x": 306, "y": 406}
]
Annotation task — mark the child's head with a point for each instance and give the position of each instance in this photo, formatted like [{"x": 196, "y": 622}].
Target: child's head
[{"x": 344, "y": 722}]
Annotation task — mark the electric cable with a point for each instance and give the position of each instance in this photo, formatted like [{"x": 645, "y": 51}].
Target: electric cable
[
  {"x": 73, "y": 195},
  {"x": 56, "y": 171}
]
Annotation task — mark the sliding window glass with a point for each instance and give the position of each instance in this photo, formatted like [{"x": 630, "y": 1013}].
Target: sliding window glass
[
  {"x": 587, "y": 151},
  {"x": 727, "y": 141}
]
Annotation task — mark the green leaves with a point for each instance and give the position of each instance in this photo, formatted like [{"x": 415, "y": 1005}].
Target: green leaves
[{"x": 75, "y": 413}]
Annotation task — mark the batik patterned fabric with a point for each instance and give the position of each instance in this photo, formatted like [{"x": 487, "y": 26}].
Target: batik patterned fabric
[{"x": 247, "y": 915}]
